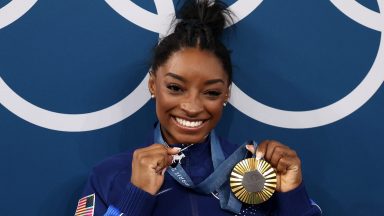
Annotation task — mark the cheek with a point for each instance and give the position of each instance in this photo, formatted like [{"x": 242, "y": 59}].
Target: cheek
[
  {"x": 165, "y": 102},
  {"x": 215, "y": 108}
]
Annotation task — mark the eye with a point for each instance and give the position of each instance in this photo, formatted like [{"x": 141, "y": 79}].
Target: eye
[
  {"x": 174, "y": 88},
  {"x": 213, "y": 94}
]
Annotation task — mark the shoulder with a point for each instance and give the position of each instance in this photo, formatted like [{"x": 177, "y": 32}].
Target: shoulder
[
  {"x": 114, "y": 164},
  {"x": 103, "y": 175},
  {"x": 106, "y": 171}
]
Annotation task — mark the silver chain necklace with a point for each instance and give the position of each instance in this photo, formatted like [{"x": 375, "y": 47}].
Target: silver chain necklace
[{"x": 176, "y": 159}]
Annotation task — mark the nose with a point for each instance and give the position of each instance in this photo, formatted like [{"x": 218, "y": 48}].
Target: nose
[{"x": 192, "y": 107}]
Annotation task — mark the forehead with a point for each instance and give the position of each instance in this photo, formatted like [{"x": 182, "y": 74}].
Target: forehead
[{"x": 195, "y": 64}]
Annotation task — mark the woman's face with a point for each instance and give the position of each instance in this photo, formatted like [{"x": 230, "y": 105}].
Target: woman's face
[{"x": 190, "y": 89}]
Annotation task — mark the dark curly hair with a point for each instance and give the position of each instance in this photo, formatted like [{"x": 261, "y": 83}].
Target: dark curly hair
[{"x": 200, "y": 26}]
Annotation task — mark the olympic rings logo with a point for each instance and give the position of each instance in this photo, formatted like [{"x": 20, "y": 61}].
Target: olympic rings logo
[{"x": 158, "y": 23}]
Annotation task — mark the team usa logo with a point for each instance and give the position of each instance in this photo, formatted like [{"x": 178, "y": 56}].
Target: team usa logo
[
  {"x": 158, "y": 23},
  {"x": 86, "y": 206}
]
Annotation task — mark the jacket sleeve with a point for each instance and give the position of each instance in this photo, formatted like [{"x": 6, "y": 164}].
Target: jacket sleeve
[
  {"x": 93, "y": 187},
  {"x": 110, "y": 199},
  {"x": 295, "y": 202},
  {"x": 135, "y": 201}
]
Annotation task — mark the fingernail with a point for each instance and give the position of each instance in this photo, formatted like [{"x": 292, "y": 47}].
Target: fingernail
[
  {"x": 247, "y": 147},
  {"x": 177, "y": 148},
  {"x": 259, "y": 155}
]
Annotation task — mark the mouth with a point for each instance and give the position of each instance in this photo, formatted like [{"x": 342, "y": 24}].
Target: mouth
[{"x": 187, "y": 124}]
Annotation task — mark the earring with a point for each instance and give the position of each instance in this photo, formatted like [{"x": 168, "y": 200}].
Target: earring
[
  {"x": 152, "y": 96},
  {"x": 226, "y": 100}
]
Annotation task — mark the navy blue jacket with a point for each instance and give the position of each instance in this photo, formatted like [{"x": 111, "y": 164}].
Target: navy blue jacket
[{"x": 110, "y": 182}]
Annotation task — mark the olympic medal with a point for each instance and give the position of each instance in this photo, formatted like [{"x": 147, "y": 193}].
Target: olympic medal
[{"x": 253, "y": 181}]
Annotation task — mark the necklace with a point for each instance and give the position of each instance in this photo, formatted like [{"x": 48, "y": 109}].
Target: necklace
[
  {"x": 185, "y": 148},
  {"x": 176, "y": 159}
]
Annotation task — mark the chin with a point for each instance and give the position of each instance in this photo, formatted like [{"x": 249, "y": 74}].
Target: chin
[{"x": 190, "y": 139}]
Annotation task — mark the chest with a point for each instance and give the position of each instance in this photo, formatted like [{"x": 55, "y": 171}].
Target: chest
[{"x": 178, "y": 200}]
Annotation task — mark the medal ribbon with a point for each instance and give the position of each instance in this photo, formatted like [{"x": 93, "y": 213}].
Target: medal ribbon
[{"x": 218, "y": 180}]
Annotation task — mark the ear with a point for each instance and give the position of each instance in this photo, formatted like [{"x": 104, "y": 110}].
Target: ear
[
  {"x": 152, "y": 83},
  {"x": 228, "y": 95}
]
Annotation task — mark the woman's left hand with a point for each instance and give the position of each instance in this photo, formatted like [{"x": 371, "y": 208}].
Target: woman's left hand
[{"x": 285, "y": 161}]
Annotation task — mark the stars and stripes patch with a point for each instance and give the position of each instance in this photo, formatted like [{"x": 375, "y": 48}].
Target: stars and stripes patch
[{"x": 86, "y": 206}]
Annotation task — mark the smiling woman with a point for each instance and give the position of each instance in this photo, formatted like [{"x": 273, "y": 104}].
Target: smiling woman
[
  {"x": 184, "y": 168},
  {"x": 190, "y": 91}
]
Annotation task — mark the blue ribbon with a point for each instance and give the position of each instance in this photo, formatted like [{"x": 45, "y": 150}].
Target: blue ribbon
[{"x": 218, "y": 181}]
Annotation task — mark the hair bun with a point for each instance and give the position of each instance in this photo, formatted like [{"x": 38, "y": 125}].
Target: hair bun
[
  {"x": 199, "y": 25},
  {"x": 203, "y": 14}
]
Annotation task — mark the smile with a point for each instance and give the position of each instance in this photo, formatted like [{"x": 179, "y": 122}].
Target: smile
[{"x": 186, "y": 123}]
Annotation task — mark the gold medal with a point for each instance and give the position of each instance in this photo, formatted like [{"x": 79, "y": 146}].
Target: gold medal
[{"x": 253, "y": 181}]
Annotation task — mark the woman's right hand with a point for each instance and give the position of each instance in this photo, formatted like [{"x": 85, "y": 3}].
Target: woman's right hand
[{"x": 149, "y": 165}]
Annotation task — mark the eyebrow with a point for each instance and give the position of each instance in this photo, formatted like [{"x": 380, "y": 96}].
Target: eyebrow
[
  {"x": 213, "y": 81},
  {"x": 182, "y": 79},
  {"x": 176, "y": 76}
]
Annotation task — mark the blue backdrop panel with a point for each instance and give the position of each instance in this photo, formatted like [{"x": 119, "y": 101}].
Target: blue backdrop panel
[{"x": 73, "y": 92}]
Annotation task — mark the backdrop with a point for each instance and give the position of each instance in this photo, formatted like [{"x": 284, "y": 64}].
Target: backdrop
[{"x": 73, "y": 92}]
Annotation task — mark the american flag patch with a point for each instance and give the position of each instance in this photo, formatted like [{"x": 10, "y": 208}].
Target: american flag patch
[{"x": 86, "y": 206}]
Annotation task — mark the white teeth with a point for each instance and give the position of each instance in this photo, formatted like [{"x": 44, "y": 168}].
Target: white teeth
[{"x": 188, "y": 123}]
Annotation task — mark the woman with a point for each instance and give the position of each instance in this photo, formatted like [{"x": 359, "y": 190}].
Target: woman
[{"x": 190, "y": 82}]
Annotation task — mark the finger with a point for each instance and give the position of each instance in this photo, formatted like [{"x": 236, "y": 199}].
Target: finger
[
  {"x": 151, "y": 159},
  {"x": 261, "y": 149},
  {"x": 271, "y": 147},
  {"x": 282, "y": 165},
  {"x": 250, "y": 148},
  {"x": 157, "y": 157},
  {"x": 278, "y": 182},
  {"x": 167, "y": 161},
  {"x": 278, "y": 153},
  {"x": 173, "y": 150},
  {"x": 163, "y": 161},
  {"x": 294, "y": 164},
  {"x": 163, "y": 171},
  {"x": 269, "y": 150},
  {"x": 289, "y": 164},
  {"x": 153, "y": 147},
  {"x": 158, "y": 149},
  {"x": 147, "y": 151}
]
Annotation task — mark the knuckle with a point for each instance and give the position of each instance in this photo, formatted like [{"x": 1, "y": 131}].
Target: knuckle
[
  {"x": 275, "y": 142},
  {"x": 274, "y": 163},
  {"x": 161, "y": 156},
  {"x": 298, "y": 161},
  {"x": 156, "y": 145},
  {"x": 284, "y": 161},
  {"x": 294, "y": 152},
  {"x": 280, "y": 168},
  {"x": 279, "y": 149},
  {"x": 143, "y": 160},
  {"x": 136, "y": 153},
  {"x": 282, "y": 154}
]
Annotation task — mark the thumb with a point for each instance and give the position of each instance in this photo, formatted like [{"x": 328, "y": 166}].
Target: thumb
[
  {"x": 173, "y": 151},
  {"x": 251, "y": 148}
]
